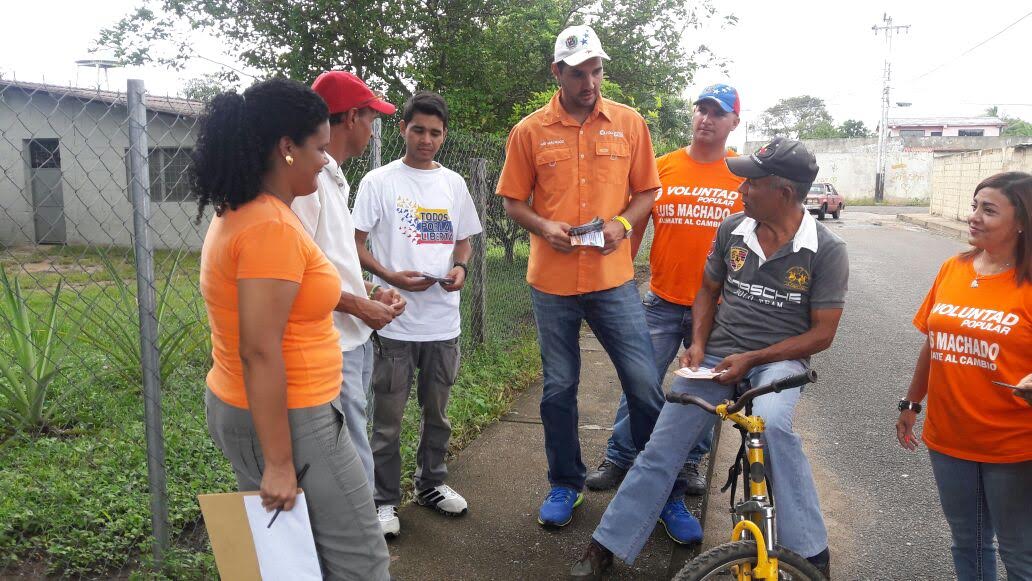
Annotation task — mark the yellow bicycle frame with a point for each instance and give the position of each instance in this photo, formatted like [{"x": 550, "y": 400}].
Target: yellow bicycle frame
[{"x": 766, "y": 567}]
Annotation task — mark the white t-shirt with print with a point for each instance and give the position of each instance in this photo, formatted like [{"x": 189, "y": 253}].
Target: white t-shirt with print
[
  {"x": 327, "y": 220},
  {"x": 414, "y": 217}
]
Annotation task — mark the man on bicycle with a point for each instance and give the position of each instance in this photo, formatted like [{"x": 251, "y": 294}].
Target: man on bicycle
[{"x": 780, "y": 278}]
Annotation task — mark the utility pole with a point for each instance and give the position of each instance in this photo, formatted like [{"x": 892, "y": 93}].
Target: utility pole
[{"x": 883, "y": 128}]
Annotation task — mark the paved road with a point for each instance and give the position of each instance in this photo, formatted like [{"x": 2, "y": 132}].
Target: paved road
[{"x": 880, "y": 502}]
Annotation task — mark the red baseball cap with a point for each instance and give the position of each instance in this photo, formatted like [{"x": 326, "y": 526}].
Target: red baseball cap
[{"x": 344, "y": 91}]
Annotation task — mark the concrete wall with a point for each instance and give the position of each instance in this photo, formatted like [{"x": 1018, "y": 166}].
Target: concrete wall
[
  {"x": 954, "y": 176},
  {"x": 93, "y": 143},
  {"x": 850, "y": 164}
]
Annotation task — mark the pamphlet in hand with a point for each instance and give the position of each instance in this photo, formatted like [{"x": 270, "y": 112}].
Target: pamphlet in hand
[
  {"x": 438, "y": 279},
  {"x": 702, "y": 373},
  {"x": 589, "y": 234}
]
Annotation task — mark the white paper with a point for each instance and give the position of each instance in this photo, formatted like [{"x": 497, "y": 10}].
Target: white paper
[
  {"x": 702, "y": 373},
  {"x": 595, "y": 238},
  {"x": 286, "y": 551}
]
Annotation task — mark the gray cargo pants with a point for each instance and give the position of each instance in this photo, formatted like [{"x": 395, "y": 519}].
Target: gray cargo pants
[
  {"x": 396, "y": 364},
  {"x": 347, "y": 533}
]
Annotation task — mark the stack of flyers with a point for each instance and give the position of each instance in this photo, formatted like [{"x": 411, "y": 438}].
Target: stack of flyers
[
  {"x": 589, "y": 234},
  {"x": 438, "y": 279},
  {"x": 701, "y": 373}
]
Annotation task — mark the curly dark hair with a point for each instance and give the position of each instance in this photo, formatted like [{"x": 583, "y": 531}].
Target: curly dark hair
[{"x": 238, "y": 133}]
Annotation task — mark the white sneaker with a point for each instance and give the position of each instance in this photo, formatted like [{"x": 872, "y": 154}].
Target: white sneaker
[
  {"x": 390, "y": 524},
  {"x": 443, "y": 499}
]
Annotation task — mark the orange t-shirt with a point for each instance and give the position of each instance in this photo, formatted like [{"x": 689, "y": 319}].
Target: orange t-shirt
[
  {"x": 575, "y": 173},
  {"x": 977, "y": 336},
  {"x": 264, "y": 239},
  {"x": 694, "y": 199}
]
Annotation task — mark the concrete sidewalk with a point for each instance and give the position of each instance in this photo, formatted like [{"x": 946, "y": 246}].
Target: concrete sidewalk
[{"x": 503, "y": 476}]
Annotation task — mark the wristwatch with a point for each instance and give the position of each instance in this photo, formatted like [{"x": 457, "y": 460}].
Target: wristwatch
[
  {"x": 626, "y": 224},
  {"x": 462, "y": 265},
  {"x": 905, "y": 404}
]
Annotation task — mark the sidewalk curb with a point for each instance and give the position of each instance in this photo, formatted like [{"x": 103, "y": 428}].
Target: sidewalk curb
[{"x": 943, "y": 226}]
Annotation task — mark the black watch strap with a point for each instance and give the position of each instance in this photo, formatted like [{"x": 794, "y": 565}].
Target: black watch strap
[
  {"x": 905, "y": 404},
  {"x": 463, "y": 266}
]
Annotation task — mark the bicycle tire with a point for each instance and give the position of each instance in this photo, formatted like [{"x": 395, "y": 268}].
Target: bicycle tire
[{"x": 714, "y": 564}]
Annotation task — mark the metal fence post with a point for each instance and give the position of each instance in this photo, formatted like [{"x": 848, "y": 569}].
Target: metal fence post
[
  {"x": 376, "y": 144},
  {"x": 478, "y": 262},
  {"x": 140, "y": 187}
]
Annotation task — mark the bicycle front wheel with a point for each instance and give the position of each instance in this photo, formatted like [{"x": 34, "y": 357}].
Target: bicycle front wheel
[{"x": 724, "y": 563}]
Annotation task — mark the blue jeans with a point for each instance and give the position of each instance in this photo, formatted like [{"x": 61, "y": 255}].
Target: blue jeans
[
  {"x": 631, "y": 516},
  {"x": 670, "y": 327},
  {"x": 616, "y": 317},
  {"x": 980, "y": 500},
  {"x": 354, "y": 398}
]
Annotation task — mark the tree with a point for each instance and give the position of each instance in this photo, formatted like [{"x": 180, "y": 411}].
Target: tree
[
  {"x": 854, "y": 128},
  {"x": 795, "y": 117},
  {"x": 485, "y": 56},
  {"x": 1014, "y": 127},
  {"x": 822, "y": 130},
  {"x": 205, "y": 87}
]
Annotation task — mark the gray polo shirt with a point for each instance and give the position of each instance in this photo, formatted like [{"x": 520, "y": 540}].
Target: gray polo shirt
[{"x": 767, "y": 300}]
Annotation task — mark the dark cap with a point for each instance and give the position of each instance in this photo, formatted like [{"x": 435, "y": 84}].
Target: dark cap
[{"x": 781, "y": 157}]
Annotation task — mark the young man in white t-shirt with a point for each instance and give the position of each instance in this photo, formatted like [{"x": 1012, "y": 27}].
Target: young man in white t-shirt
[
  {"x": 325, "y": 216},
  {"x": 418, "y": 218}
]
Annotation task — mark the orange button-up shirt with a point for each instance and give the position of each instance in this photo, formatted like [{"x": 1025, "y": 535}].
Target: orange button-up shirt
[{"x": 573, "y": 173}]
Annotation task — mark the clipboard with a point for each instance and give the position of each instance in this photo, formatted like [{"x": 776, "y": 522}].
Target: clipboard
[
  {"x": 236, "y": 525},
  {"x": 230, "y": 535}
]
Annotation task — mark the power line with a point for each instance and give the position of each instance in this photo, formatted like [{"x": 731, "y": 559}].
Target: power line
[{"x": 968, "y": 51}]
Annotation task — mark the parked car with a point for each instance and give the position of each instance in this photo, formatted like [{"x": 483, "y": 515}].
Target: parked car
[{"x": 823, "y": 199}]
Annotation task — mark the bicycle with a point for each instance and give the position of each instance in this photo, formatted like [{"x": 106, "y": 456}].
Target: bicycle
[{"x": 753, "y": 552}]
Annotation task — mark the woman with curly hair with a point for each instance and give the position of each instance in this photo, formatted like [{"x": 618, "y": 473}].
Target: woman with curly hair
[
  {"x": 976, "y": 369},
  {"x": 273, "y": 397}
]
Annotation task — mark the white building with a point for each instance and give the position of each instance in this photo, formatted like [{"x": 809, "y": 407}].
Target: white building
[
  {"x": 946, "y": 127},
  {"x": 64, "y": 167}
]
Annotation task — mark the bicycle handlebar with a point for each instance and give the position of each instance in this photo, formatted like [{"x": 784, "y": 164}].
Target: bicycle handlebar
[{"x": 808, "y": 376}]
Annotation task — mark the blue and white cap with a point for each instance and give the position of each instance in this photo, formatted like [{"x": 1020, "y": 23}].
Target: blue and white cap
[{"x": 577, "y": 44}]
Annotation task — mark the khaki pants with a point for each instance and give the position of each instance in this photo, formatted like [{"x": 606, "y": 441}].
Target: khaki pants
[
  {"x": 347, "y": 533},
  {"x": 396, "y": 364}
]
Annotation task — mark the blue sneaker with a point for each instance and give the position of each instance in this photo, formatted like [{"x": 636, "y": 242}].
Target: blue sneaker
[
  {"x": 557, "y": 510},
  {"x": 680, "y": 525}
]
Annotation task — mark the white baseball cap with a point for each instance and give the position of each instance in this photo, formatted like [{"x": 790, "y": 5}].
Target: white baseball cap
[{"x": 577, "y": 44}]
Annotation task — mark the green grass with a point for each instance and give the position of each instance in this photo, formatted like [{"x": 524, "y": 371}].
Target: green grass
[{"x": 74, "y": 499}]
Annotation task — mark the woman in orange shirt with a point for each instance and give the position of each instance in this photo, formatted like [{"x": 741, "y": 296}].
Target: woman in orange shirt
[
  {"x": 273, "y": 399},
  {"x": 975, "y": 369}
]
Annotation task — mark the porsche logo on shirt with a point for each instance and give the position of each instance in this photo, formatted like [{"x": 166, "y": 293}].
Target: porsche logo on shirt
[
  {"x": 797, "y": 278},
  {"x": 738, "y": 256}
]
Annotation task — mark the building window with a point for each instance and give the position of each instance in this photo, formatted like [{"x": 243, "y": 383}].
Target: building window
[
  {"x": 168, "y": 174},
  {"x": 912, "y": 132},
  {"x": 44, "y": 154},
  {"x": 936, "y": 133},
  {"x": 971, "y": 132}
]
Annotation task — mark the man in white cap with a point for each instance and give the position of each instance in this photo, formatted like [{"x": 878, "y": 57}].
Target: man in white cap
[{"x": 578, "y": 158}]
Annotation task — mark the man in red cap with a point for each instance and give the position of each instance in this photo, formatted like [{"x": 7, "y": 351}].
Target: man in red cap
[{"x": 362, "y": 307}]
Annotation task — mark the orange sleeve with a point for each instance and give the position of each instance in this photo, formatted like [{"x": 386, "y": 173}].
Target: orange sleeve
[
  {"x": 921, "y": 318},
  {"x": 517, "y": 178},
  {"x": 644, "y": 176},
  {"x": 270, "y": 250}
]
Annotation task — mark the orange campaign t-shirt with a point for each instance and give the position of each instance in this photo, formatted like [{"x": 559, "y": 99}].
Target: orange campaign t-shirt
[
  {"x": 264, "y": 239},
  {"x": 977, "y": 335},
  {"x": 694, "y": 199}
]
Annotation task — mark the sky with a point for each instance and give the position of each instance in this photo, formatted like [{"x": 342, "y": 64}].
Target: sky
[{"x": 777, "y": 50}]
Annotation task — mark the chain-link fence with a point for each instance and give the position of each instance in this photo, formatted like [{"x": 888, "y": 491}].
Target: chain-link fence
[{"x": 104, "y": 343}]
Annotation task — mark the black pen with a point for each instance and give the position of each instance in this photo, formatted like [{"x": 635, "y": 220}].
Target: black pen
[{"x": 300, "y": 475}]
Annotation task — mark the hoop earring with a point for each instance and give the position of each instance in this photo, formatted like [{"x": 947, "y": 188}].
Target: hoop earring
[{"x": 290, "y": 159}]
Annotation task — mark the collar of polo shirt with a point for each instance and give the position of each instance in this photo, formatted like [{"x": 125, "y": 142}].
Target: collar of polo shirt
[
  {"x": 556, "y": 114},
  {"x": 805, "y": 236}
]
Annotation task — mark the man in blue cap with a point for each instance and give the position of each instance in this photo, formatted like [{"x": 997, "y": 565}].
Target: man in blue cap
[
  {"x": 698, "y": 192},
  {"x": 772, "y": 296}
]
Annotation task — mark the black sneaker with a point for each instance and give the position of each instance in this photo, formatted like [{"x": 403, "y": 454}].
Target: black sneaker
[
  {"x": 822, "y": 561},
  {"x": 607, "y": 477},
  {"x": 696, "y": 481}
]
